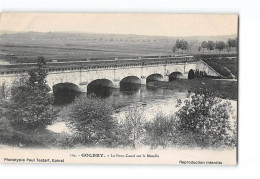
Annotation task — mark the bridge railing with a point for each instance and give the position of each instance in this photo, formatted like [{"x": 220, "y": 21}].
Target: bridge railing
[{"x": 57, "y": 66}]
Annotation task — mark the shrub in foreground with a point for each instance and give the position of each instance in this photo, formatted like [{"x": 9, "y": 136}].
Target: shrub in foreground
[
  {"x": 91, "y": 120},
  {"x": 163, "y": 132}
]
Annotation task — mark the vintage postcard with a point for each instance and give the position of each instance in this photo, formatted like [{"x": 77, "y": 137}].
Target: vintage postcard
[{"x": 118, "y": 88}]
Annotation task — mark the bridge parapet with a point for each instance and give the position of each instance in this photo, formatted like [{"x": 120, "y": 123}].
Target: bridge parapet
[{"x": 87, "y": 65}]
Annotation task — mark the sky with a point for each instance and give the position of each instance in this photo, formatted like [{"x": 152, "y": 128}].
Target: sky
[{"x": 123, "y": 23}]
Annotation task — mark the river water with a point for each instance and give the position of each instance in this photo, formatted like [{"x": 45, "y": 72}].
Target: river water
[{"x": 150, "y": 100}]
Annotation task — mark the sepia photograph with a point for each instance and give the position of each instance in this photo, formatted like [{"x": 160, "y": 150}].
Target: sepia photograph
[{"x": 119, "y": 88}]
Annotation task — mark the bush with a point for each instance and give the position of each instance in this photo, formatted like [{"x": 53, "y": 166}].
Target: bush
[
  {"x": 6, "y": 130},
  {"x": 59, "y": 140},
  {"x": 90, "y": 118},
  {"x": 159, "y": 131},
  {"x": 163, "y": 131}
]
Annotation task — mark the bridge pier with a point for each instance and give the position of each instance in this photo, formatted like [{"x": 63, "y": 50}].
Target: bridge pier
[
  {"x": 143, "y": 80},
  {"x": 83, "y": 88},
  {"x": 116, "y": 84},
  {"x": 166, "y": 78},
  {"x": 185, "y": 76}
]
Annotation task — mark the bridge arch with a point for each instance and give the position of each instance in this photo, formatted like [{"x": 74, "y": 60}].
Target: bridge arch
[
  {"x": 131, "y": 79},
  {"x": 175, "y": 75},
  {"x": 130, "y": 83},
  {"x": 65, "y": 93},
  {"x": 100, "y": 87},
  {"x": 154, "y": 77},
  {"x": 191, "y": 74}
]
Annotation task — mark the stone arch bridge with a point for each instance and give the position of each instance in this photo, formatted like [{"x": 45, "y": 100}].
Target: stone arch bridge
[{"x": 112, "y": 75}]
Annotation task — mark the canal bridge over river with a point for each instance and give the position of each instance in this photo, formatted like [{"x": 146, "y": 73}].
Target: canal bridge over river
[{"x": 111, "y": 73}]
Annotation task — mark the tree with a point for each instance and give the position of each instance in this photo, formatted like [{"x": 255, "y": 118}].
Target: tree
[
  {"x": 3, "y": 98},
  {"x": 6, "y": 131},
  {"x": 204, "y": 45},
  {"x": 209, "y": 119},
  {"x": 3, "y": 91},
  {"x": 133, "y": 125},
  {"x": 199, "y": 48},
  {"x": 232, "y": 43},
  {"x": 174, "y": 50},
  {"x": 41, "y": 61},
  {"x": 181, "y": 44},
  {"x": 236, "y": 44},
  {"x": 30, "y": 102},
  {"x": 90, "y": 118},
  {"x": 211, "y": 45},
  {"x": 220, "y": 45},
  {"x": 228, "y": 49}
]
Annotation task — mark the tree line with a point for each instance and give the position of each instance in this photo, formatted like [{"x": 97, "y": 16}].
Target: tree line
[{"x": 230, "y": 46}]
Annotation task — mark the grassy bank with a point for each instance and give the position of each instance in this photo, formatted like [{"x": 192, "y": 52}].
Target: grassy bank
[
  {"x": 225, "y": 88},
  {"x": 224, "y": 66}
]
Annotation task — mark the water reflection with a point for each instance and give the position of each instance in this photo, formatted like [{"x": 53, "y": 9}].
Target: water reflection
[
  {"x": 100, "y": 91},
  {"x": 105, "y": 92},
  {"x": 128, "y": 93},
  {"x": 129, "y": 88},
  {"x": 64, "y": 96}
]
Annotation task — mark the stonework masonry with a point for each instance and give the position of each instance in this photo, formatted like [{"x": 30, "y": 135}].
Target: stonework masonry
[{"x": 82, "y": 77}]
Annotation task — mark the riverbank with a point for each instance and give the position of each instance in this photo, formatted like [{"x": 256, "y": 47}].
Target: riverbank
[{"x": 227, "y": 89}]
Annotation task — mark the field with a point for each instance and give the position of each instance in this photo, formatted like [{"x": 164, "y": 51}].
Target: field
[
  {"x": 19, "y": 48},
  {"x": 26, "y": 47}
]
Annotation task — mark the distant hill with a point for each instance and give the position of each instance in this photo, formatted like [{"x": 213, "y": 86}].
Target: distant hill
[
  {"x": 108, "y": 37},
  {"x": 9, "y": 32}
]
